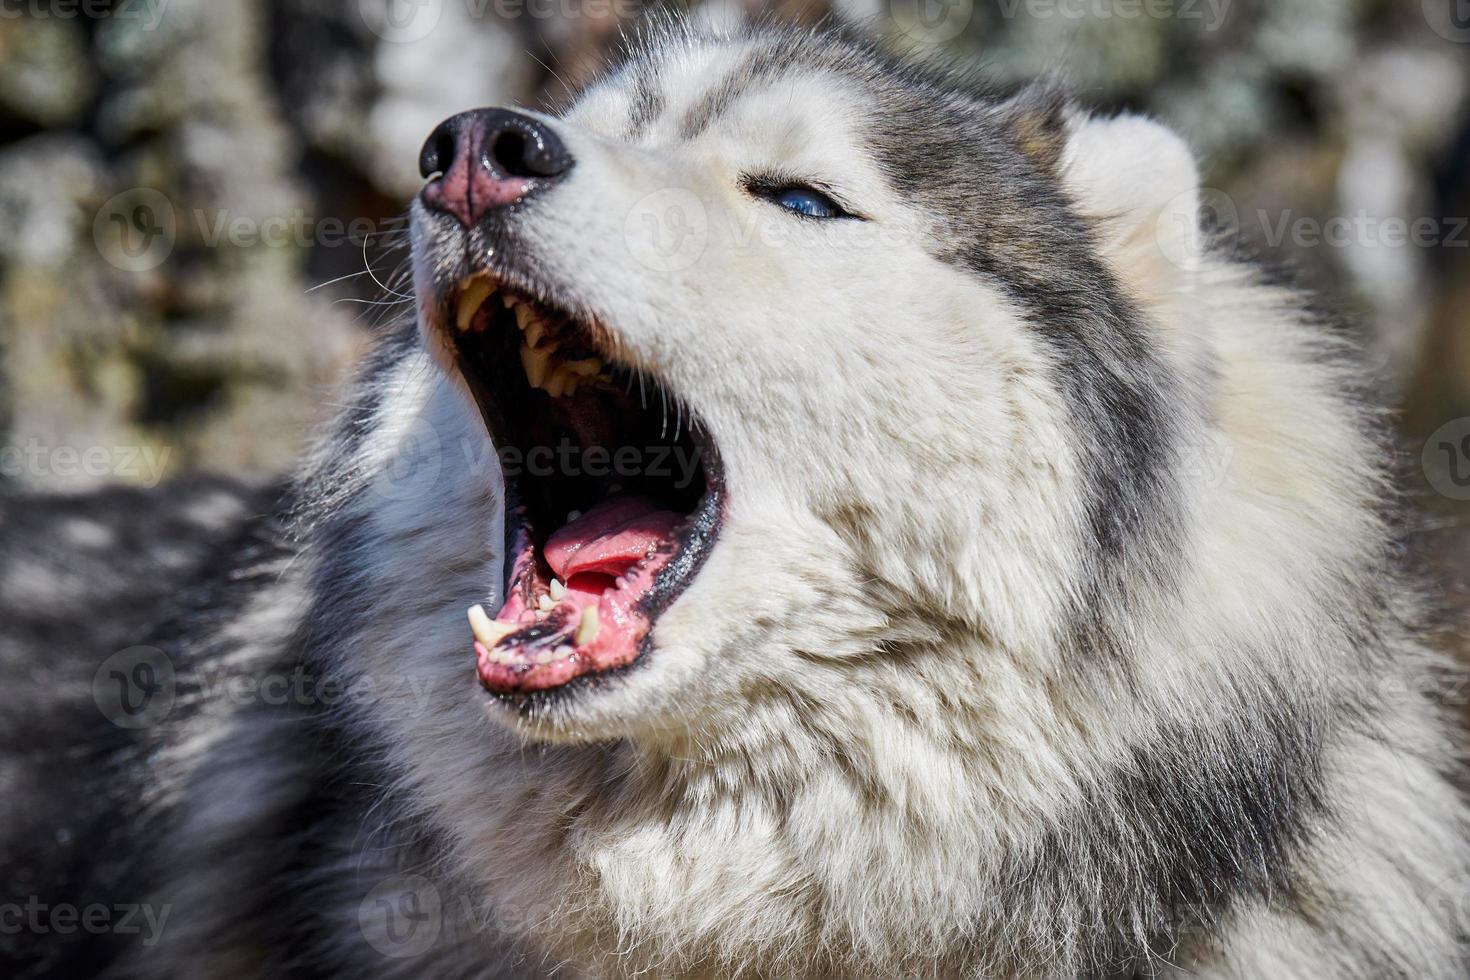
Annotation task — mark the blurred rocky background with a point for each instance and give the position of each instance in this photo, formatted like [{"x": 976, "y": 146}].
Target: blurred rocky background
[{"x": 200, "y": 199}]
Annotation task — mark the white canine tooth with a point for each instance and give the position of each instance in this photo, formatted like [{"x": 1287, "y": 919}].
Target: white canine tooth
[
  {"x": 558, "y": 591},
  {"x": 535, "y": 362},
  {"x": 587, "y": 628},
  {"x": 475, "y": 292},
  {"x": 486, "y": 630},
  {"x": 563, "y": 651},
  {"x": 545, "y": 656},
  {"x": 544, "y": 603}
]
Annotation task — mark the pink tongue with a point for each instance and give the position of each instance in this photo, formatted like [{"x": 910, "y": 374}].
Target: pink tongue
[{"x": 609, "y": 537}]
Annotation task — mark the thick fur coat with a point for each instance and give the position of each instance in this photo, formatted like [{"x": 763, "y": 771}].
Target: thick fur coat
[{"x": 1055, "y": 626}]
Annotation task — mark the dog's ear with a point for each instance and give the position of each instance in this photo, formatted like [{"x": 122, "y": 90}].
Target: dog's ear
[
  {"x": 1136, "y": 181},
  {"x": 1036, "y": 119}
]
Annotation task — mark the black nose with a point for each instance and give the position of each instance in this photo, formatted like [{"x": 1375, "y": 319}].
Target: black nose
[{"x": 488, "y": 158}]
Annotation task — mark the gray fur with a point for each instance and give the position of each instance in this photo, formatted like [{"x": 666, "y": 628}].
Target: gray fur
[{"x": 938, "y": 704}]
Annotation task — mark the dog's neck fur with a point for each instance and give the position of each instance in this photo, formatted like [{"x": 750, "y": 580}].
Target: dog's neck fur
[{"x": 870, "y": 819}]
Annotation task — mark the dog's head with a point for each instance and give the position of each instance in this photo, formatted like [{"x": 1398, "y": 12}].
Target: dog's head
[{"x": 805, "y": 373}]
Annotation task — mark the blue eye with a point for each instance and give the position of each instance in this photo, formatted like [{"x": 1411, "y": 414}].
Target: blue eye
[{"x": 803, "y": 200}]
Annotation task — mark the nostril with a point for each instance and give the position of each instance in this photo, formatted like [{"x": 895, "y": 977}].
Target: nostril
[
  {"x": 509, "y": 153},
  {"x": 525, "y": 147},
  {"x": 437, "y": 156},
  {"x": 444, "y": 151}
]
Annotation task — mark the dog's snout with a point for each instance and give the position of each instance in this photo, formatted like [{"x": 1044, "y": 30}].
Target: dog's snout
[{"x": 488, "y": 158}]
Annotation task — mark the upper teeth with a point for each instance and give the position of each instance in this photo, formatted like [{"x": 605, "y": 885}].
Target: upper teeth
[
  {"x": 531, "y": 325},
  {"x": 471, "y": 297},
  {"x": 534, "y": 362},
  {"x": 539, "y": 345}
]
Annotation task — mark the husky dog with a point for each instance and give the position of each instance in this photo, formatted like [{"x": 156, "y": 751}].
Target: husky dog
[{"x": 895, "y": 544}]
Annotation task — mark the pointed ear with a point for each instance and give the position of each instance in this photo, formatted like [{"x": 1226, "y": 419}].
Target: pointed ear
[{"x": 1137, "y": 182}]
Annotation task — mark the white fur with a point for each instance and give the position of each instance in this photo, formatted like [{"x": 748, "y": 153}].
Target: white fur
[{"x": 839, "y": 744}]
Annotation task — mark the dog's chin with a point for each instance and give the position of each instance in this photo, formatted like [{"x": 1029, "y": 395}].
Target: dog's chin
[{"x": 648, "y": 704}]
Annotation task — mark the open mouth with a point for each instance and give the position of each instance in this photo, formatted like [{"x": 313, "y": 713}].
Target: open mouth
[{"x": 613, "y": 490}]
